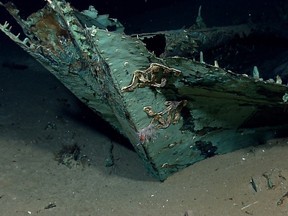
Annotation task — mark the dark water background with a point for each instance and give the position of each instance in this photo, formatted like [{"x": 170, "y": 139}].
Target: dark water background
[{"x": 152, "y": 15}]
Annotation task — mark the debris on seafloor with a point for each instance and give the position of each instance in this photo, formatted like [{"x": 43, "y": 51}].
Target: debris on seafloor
[
  {"x": 282, "y": 199},
  {"x": 174, "y": 109},
  {"x": 70, "y": 156},
  {"x": 110, "y": 160},
  {"x": 268, "y": 177},
  {"x": 50, "y": 205},
  {"x": 253, "y": 184}
]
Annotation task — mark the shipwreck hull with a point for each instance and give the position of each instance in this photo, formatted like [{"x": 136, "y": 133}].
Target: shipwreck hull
[{"x": 175, "y": 111}]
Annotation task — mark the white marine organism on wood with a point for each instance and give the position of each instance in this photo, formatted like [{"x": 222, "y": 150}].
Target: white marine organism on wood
[
  {"x": 170, "y": 115},
  {"x": 155, "y": 76}
]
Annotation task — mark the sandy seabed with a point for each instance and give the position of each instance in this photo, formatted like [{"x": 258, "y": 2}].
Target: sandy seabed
[{"x": 38, "y": 116}]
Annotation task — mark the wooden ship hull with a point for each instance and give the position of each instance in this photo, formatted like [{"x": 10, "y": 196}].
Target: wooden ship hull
[{"x": 175, "y": 111}]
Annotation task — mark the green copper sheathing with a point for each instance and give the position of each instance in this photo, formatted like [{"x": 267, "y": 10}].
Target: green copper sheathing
[
  {"x": 174, "y": 111},
  {"x": 125, "y": 55}
]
